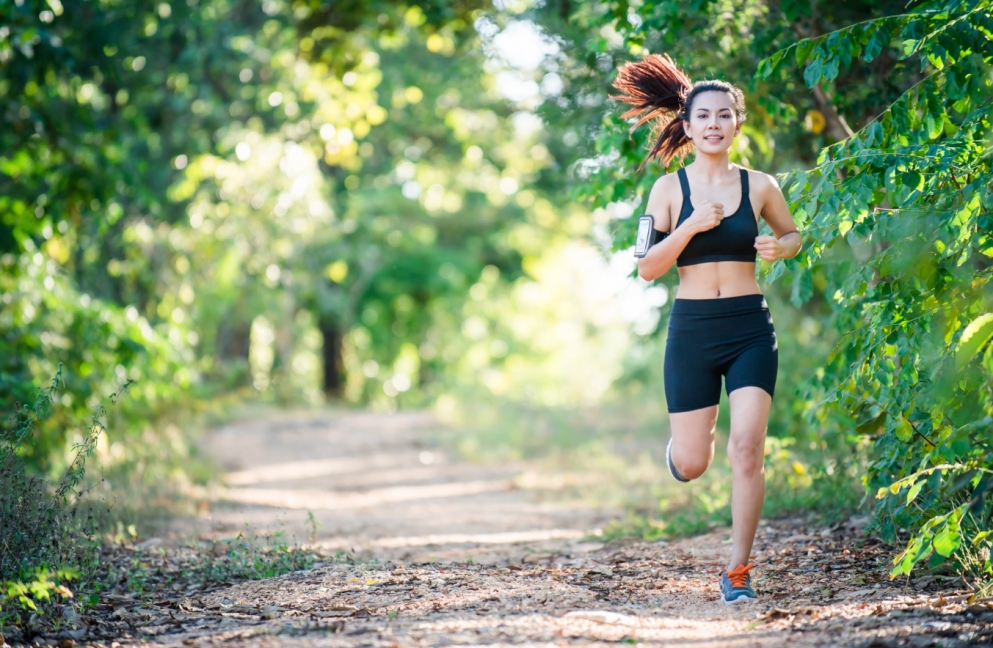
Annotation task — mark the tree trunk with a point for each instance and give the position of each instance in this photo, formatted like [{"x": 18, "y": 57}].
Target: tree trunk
[
  {"x": 234, "y": 340},
  {"x": 284, "y": 334},
  {"x": 334, "y": 377}
]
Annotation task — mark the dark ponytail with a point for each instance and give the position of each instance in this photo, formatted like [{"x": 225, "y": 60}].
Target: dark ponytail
[{"x": 655, "y": 87}]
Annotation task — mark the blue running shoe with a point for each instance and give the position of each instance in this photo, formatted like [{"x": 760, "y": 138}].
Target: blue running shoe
[
  {"x": 672, "y": 467},
  {"x": 736, "y": 585}
]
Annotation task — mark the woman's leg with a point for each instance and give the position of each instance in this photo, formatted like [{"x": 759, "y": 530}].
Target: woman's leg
[
  {"x": 693, "y": 440},
  {"x": 746, "y": 450}
]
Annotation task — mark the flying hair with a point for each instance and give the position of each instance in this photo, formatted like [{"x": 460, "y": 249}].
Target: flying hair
[{"x": 658, "y": 90}]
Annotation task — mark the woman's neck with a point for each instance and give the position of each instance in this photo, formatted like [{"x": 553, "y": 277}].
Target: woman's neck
[{"x": 710, "y": 167}]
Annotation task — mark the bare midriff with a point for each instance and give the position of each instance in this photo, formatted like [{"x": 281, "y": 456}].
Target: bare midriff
[{"x": 716, "y": 280}]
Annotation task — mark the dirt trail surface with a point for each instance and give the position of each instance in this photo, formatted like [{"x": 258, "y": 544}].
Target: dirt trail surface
[
  {"x": 444, "y": 553},
  {"x": 379, "y": 489}
]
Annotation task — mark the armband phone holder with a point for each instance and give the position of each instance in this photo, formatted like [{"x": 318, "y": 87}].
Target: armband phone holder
[{"x": 647, "y": 236}]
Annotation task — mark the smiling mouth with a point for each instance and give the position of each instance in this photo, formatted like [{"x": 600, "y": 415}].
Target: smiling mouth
[{"x": 715, "y": 138}]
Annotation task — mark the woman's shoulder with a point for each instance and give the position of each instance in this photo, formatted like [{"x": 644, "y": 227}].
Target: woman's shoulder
[
  {"x": 759, "y": 180},
  {"x": 666, "y": 182},
  {"x": 664, "y": 197}
]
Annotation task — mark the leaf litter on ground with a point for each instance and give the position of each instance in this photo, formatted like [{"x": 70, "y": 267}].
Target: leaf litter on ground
[{"x": 815, "y": 587}]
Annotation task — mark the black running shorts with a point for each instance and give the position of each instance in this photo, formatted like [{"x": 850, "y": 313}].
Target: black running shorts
[{"x": 731, "y": 337}]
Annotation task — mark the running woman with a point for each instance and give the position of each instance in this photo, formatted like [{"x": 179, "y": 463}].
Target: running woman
[{"x": 720, "y": 323}]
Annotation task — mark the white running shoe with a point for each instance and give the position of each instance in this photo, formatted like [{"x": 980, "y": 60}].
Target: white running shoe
[{"x": 672, "y": 467}]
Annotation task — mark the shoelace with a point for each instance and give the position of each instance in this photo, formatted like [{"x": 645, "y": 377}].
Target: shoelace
[{"x": 739, "y": 576}]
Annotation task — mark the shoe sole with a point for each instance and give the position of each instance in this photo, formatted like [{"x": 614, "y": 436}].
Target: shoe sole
[
  {"x": 672, "y": 468},
  {"x": 740, "y": 599}
]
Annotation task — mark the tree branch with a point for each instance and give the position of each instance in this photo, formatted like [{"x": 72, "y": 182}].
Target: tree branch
[{"x": 835, "y": 124}]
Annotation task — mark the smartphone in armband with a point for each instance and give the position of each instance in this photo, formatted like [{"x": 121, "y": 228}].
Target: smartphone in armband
[{"x": 647, "y": 236}]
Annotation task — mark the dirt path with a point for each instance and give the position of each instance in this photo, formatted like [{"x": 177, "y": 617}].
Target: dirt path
[
  {"x": 445, "y": 553},
  {"x": 379, "y": 490}
]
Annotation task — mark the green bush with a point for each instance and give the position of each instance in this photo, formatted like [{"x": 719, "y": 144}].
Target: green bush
[
  {"x": 898, "y": 220},
  {"x": 48, "y": 535}
]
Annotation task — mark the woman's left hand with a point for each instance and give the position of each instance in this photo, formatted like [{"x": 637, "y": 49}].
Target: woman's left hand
[{"x": 770, "y": 248}]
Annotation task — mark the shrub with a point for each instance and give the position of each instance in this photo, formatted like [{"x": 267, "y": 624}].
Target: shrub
[{"x": 47, "y": 535}]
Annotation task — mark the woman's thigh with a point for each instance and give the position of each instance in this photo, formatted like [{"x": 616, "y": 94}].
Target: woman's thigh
[{"x": 693, "y": 435}]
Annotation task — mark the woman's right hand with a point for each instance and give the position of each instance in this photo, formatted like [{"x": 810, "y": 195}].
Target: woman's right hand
[{"x": 706, "y": 216}]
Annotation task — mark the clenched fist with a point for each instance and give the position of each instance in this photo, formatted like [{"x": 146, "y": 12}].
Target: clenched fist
[
  {"x": 770, "y": 248},
  {"x": 706, "y": 216}
]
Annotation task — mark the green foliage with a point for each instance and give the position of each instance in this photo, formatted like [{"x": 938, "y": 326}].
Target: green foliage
[
  {"x": 48, "y": 533},
  {"x": 47, "y": 324},
  {"x": 37, "y": 590},
  {"x": 183, "y": 182},
  {"x": 249, "y": 557},
  {"x": 897, "y": 219},
  {"x": 96, "y": 101},
  {"x": 38, "y": 518},
  {"x": 147, "y": 573}
]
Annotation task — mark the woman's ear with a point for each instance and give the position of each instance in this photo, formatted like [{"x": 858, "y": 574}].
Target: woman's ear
[{"x": 686, "y": 128}]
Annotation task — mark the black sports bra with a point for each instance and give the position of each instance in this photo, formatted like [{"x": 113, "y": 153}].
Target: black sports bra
[{"x": 732, "y": 240}]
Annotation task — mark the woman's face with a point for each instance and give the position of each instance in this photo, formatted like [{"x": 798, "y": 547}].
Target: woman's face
[{"x": 712, "y": 123}]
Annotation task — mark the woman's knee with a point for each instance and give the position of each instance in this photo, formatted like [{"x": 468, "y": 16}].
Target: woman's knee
[
  {"x": 692, "y": 466},
  {"x": 747, "y": 453}
]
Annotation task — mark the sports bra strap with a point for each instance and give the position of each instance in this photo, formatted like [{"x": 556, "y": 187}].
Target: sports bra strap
[
  {"x": 744, "y": 184},
  {"x": 684, "y": 182}
]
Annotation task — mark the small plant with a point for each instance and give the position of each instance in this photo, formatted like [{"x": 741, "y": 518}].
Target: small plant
[
  {"x": 38, "y": 589},
  {"x": 48, "y": 540},
  {"x": 313, "y": 526},
  {"x": 250, "y": 557}
]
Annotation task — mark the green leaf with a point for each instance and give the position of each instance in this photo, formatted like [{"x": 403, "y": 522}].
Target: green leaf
[
  {"x": 960, "y": 482},
  {"x": 775, "y": 272},
  {"x": 880, "y": 38},
  {"x": 812, "y": 74},
  {"x": 803, "y": 50},
  {"x": 979, "y": 494},
  {"x": 937, "y": 57},
  {"x": 912, "y": 180},
  {"x": 914, "y": 552},
  {"x": 830, "y": 70},
  {"x": 803, "y": 287},
  {"x": 974, "y": 337},
  {"x": 935, "y": 125},
  {"x": 903, "y": 430},
  {"x": 915, "y": 490},
  {"x": 947, "y": 540},
  {"x": 768, "y": 65}
]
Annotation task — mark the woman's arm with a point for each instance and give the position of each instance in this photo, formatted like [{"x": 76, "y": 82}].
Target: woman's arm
[
  {"x": 787, "y": 241},
  {"x": 663, "y": 254}
]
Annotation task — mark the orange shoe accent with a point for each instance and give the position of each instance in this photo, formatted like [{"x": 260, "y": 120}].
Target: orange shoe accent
[{"x": 739, "y": 575}]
